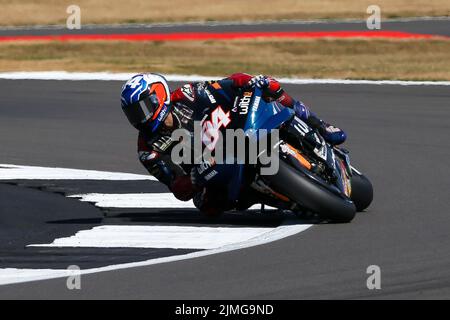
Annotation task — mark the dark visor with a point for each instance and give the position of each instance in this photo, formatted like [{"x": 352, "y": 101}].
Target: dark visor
[{"x": 141, "y": 111}]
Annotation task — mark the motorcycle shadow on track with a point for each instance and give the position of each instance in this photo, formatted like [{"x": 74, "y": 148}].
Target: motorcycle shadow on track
[
  {"x": 252, "y": 218},
  {"x": 178, "y": 216}
]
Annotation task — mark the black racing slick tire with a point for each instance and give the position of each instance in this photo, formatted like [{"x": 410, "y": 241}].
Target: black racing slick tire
[
  {"x": 362, "y": 191},
  {"x": 309, "y": 194}
]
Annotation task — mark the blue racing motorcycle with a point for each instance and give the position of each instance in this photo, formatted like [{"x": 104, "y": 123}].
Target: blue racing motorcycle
[{"x": 312, "y": 177}]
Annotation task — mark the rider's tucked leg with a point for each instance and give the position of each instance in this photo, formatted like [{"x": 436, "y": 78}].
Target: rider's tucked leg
[
  {"x": 330, "y": 133},
  {"x": 212, "y": 179}
]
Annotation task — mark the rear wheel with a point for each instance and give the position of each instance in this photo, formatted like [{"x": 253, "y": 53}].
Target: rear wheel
[
  {"x": 310, "y": 194},
  {"x": 362, "y": 191}
]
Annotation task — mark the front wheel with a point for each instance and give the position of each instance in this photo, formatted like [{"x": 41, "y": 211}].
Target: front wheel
[
  {"x": 309, "y": 194},
  {"x": 362, "y": 191}
]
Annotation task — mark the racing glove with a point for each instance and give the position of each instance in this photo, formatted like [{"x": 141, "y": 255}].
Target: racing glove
[{"x": 260, "y": 81}]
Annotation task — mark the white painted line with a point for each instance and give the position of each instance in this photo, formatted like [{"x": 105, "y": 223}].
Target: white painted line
[
  {"x": 161, "y": 237},
  {"x": 134, "y": 200},
  {"x": 9, "y": 276},
  {"x": 233, "y": 239},
  {"x": 13, "y": 172},
  {"x": 14, "y": 275},
  {"x": 64, "y": 75},
  {"x": 108, "y": 76},
  {"x": 139, "y": 200},
  {"x": 358, "y": 82}
]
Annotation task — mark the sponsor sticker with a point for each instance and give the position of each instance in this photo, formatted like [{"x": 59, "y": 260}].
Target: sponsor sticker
[
  {"x": 211, "y": 175},
  {"x": 256, "y": 104},
  {"x": 210, "y": 96},
  {"x": 244, "y": 103}
]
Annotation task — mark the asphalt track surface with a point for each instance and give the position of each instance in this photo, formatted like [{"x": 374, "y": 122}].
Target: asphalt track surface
[
  {"x": 438, "y": 26},
  {"x": 398, "y": 136}
]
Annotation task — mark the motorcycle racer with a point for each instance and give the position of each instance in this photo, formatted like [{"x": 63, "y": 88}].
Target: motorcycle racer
[{"x": 156, "y": 112}]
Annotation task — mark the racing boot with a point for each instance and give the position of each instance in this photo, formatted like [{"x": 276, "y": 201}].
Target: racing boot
[{"x": 330, "y": 133}]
